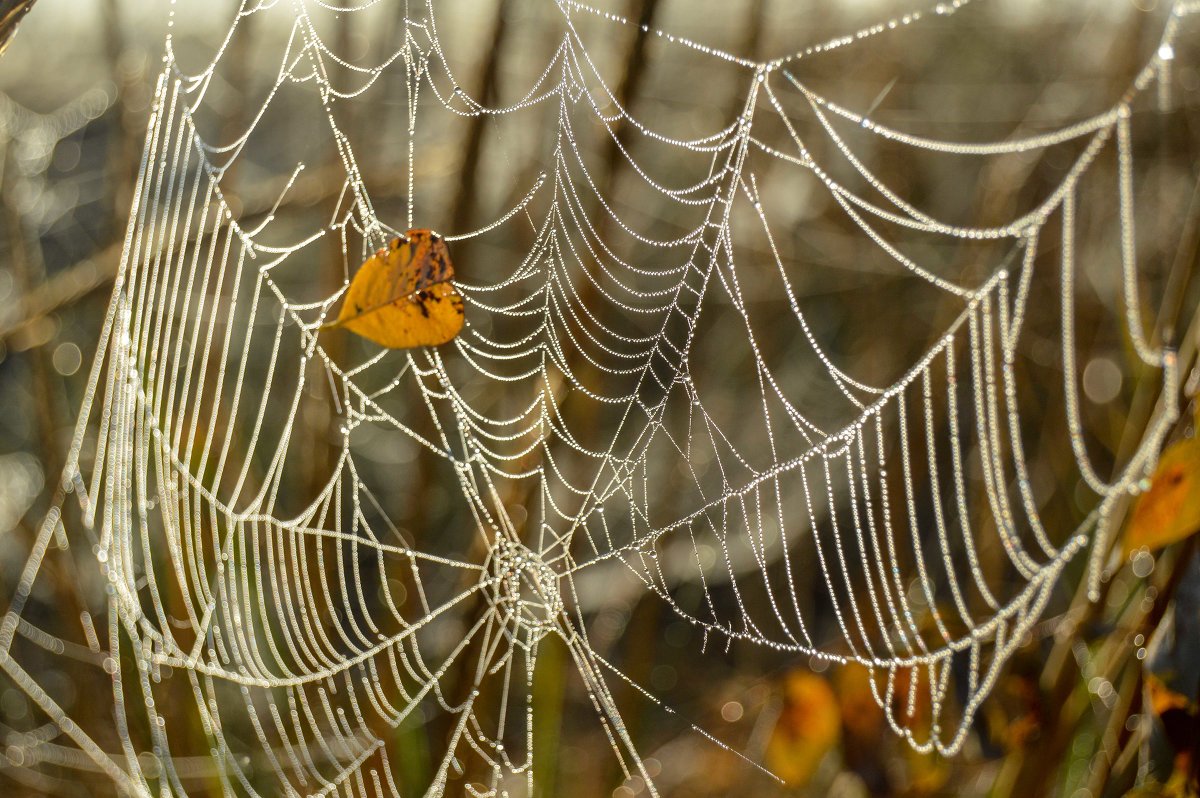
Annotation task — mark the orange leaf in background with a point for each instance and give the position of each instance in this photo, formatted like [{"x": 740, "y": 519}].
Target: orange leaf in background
[
  {"x": 808, "y": 727},
  {"x": 1179, "y": 716},
  {"x": 1014, "y": 719},
  {"x": 912, "y": 709},
  {"x": 1163, "y": 699},
  {"x": 1170, "y": 510},
  {"x": 861, "y": 715},
  {"x": 917, "y": 717},
  {"x": 402, "y": 297}
]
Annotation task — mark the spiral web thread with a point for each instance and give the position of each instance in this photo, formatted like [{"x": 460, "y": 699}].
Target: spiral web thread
[{"x": 316, "y": 630}]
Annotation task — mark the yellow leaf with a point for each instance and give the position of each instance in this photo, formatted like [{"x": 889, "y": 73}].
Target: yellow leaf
[
  {"x": 1170, "y": 510},
  {"x": 808, "y": 727},
  {"x": 402, "y": 297}
]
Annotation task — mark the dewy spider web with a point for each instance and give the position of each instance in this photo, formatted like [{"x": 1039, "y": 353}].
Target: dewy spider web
[{"x": 573, "y": 413}]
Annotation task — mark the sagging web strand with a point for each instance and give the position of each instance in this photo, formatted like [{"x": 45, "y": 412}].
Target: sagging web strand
[{"x": 266, "y": 618}]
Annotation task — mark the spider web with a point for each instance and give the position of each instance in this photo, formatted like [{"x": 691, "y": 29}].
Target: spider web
[{"x": 256, "y": 562}]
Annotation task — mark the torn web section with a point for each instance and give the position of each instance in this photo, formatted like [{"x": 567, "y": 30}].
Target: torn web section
[
  {"x": 1081, "y": 168},
  {"x": 955, "y": 434}
]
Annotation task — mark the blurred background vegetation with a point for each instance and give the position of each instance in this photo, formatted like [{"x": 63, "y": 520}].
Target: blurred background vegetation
[{"x": 1102, "y": 698}]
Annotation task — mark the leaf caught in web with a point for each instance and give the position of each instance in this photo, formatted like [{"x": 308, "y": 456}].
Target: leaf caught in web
[
  {"x": 1170, "y": 510},
  {"x": 808, "y": 727},
  {"x": 402, "y": 296}
]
